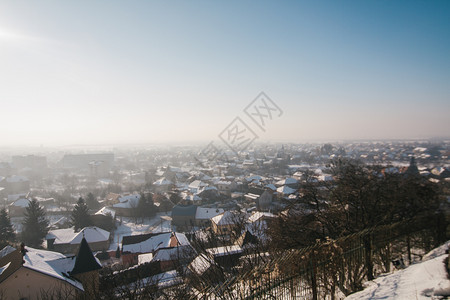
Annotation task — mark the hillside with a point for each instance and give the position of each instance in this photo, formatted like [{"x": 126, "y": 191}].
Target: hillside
[{"x": 424, "y": 280}]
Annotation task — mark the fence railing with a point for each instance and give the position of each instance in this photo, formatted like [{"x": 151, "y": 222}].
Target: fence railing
[{"x": 331, "y": 269}]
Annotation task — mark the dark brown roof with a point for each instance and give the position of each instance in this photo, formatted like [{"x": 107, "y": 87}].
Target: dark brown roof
[
  {"x": 134, "y": 239},
  {"x": 85, "y": 261},
  {"x": 9, "y": 263}
]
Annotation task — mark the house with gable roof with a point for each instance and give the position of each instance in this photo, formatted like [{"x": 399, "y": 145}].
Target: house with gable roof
[
  {"x": 68, "y": 241},
  {"x": 134, "y": 245},
  {"x": 203, "y": 215},
  {"x": 188, "y": 216},
  {"x": 163, "y": 185},
  {"x": 127, "y": 205},
  {"x": 29, "y": 273},
  {"x": 172, "y": 257},
  {"x": 227, "y": 223},
  {"x": 18, "y": 207}
]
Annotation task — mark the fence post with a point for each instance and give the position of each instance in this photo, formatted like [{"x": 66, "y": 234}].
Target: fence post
[
  {"x": 313, "y": 280},
  {"x": 441, "y": 228},
  {"x": 408, "y": 246}
]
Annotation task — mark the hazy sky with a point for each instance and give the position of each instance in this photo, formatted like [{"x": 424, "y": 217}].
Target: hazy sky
[{"x": 98, "y": 72}]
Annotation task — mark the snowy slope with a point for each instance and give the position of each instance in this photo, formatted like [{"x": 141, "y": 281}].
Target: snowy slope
[{"x": 424, "y": 280}]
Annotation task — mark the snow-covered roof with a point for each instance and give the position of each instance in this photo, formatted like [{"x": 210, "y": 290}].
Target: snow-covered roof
[
  {"x": 190, "y": 197},
  {"x": 224, "y": 182},
  {"x": 14, "y": 197},
  {"x": 318, "y": 171},
  {"x": 205, "y": 213},
  {"x": 162, "y": 181},
  {"x": 105, "y": 181},
  {"x": 92, "y": 234},
  {"x": 288, "y": 180},
  {"x": 68, "y": 236},
  {"x": 209, "y": 188},
  {"x": 224, "y": 250},
  {"x": 44, "y": 200},
  {"x": 253, "y": 177},
  {"x": 206, "y": 177},
  {"x": 7, "y": 250},
  {"x": 149, "y": 245},
  {"x": 61, "y": 220},
  {"x": 105, "y": 211},
  {"x": 325, "y": 177},
  {"x": 200, "y": 264},
  {"x": 182, "y": 239},
  {"x": 196, "y": 184},
  {"x": 22, "y": 202},
  {"x": 130, "y": 201},
  {"x": 3, "y": 268},
  {"x": 174, "y": 253},
  {"x": 271, "y": 186},
  {"x": 286, "y": 190},
  {"x": 182, "y": 186},
  {"x": 127, "y": 198},
  {"x": 420, "y": 149},
  {"x": 61, "y": 236},
  {"x": 175, "y": 169},
  {"x": 227, "y": 218},
  {"x": 258, "y": 215},
  {"x": 162, "y": 280},
  {"x": 52, "y": 264}
]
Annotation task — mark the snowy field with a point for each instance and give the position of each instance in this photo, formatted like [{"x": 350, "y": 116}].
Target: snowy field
[
  {"x": 424, "y": 280},
  {"x": 129, "y": 227}
]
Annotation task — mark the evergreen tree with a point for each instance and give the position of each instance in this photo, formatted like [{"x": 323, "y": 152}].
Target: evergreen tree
[
  {"x": 80, "y": 215},
  {"x": 35, "y": 225},
  {"x": 146, "y": 207},
  {"x": 6, "y": 230},
  {"x": 91, "y": 202}
]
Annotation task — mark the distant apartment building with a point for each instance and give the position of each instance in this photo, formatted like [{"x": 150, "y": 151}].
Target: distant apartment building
[
  {"x": 33, "y": 162},
  {"x": 97, "y": 164}
]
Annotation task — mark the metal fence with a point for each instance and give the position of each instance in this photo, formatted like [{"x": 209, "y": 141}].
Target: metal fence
[{"x": 334, "y": 268}]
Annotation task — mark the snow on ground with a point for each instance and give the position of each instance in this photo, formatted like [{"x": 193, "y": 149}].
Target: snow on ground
[
  {"x": 424, "y": 280},
  {"x": 129, "y": 227}
]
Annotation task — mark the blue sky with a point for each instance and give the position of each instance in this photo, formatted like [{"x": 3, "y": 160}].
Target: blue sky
[{"x": 93, "y": 72}]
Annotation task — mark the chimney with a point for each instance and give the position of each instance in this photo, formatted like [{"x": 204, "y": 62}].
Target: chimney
[{"x": 23, "y": 251}]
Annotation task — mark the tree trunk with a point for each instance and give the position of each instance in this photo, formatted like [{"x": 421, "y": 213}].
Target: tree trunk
[{"x": 368, "y": 256}]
